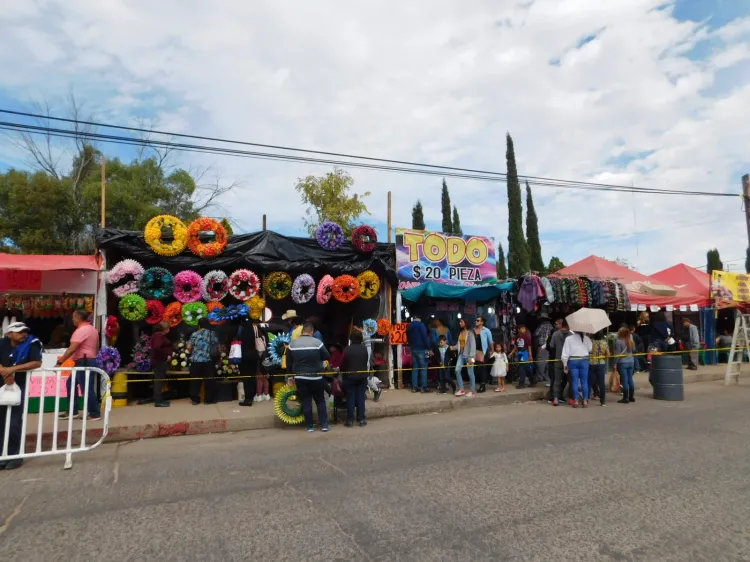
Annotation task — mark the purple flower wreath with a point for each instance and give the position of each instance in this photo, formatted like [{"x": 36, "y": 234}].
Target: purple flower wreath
[
  {"x": 188, "y": 286},
  {"x": 330, "y": 236},
  {"x": 303, "y": 288},
  {"x": 108, "y": 359}
]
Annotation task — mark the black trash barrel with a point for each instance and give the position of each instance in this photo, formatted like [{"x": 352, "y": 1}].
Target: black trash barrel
[{"x": 666, "y": 377}]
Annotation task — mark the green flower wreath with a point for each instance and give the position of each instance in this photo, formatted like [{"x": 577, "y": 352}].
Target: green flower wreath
[
  {"x": 285, "y": 413},
  {"x": 193, "y": 312},
  {"x": 133, "y": 308},
  {"x": 278, "y": 285}
]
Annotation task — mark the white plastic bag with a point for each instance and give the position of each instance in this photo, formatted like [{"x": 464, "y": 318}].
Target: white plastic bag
[
  {"x": 10, "y": 395},
  {"x": 235, "y": 352}
]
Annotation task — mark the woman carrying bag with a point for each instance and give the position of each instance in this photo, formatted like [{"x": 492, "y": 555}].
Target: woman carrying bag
[{"x": 466, "y": 347}]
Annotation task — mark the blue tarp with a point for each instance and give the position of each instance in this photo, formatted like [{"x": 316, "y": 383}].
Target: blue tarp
[{"x": 432, "y": 290}]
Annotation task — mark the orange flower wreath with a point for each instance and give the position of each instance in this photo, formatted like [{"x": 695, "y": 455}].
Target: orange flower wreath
[
  {"x": 345, "y": 288},
  {"x": 173, "y": 313},
  {"x": 209, "y": 249}
]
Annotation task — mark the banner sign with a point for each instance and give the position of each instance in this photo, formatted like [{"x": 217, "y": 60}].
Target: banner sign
[
  {"x": 398, "y": 333},
  {"x": 730, "y": 287},
  {"x": 463, "y": 260}
]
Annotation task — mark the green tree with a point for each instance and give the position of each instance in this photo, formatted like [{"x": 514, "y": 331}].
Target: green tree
[
  {"x": 417, "y": 216},
  {"x": 555, "y": 264},
  {"x": 518, "y": 253},
  {"x": 330, "y": 198},
  {"x": 445, "y": 207},
  {"x": 713, "y": 261},
  {"x": 456, "y": 226},
  {"x": 502, "y": 270},
  {"x": 227, "y": 226},
  {"x": 747, "y": 260},
  {"x": 532, "y": 234}
]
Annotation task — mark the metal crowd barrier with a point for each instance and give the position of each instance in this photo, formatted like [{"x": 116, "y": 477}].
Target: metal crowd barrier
[{"x": 69, "y": 448}]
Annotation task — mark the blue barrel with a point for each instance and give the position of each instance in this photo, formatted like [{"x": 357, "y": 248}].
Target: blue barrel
[{"x": 666, "y": 377}]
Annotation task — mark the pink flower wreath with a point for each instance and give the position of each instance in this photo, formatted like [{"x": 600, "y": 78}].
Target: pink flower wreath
[
  {"x": 188, "y": 286},
  {"x": 324, "y": 289}
]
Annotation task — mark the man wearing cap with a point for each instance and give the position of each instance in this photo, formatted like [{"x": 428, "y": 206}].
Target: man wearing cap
[
  {"x": 295, "y": 329},
  {"x": 84, "y": 346},
  {"x": 19, "y": 352}
]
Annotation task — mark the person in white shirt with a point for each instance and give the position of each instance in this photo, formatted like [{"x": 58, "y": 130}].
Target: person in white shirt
[{"x": 575, "y": 360}]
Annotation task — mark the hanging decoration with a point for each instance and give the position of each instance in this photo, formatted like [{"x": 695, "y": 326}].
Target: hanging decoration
[
  {"x": 193, "y": 312},
  {"x": 120, "y": 271},
  {"x": 303, "y": 288},
  {"x": 47, "y": 306},
  {"x": 287, "y": 414},
  {"x": 112, "y": 329},
  {"x": 276, "y": 347},
  {"x": 173, "y": 313},
  {"x": 324, "y": 289},
  {"x": 369, "y": 284},
  {"x": 330, "y": 236},
  {"x": 364, "y": 239},
  {"x": 384, "y": 327},
  {"x": 206, "y": 249},
  {"x": 229, "y": 313},
  {"x": 108, "y": 359},
  {"x": 211, "y": 306},
  {"x": 278, "y": 285},
  {"x": 179, "y": 360},
  {"x": 154, "y": 311},
  {"x": 370, "y": 327},
  {"x": 215, "y": 285},
  {"x": 244, "y": 284},
  {"x": 188, "y": 286},
  {"x": 256, "y": 305},
  {"x": 156, "y": 283},
  {"x": 345, "y": 288},
  {"x": 141, "y": 355},
  {"x": 133, "y": 308},
  {"x": 167, "y": 235}
]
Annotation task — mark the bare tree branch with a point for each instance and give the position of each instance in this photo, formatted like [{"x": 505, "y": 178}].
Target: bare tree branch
[{"x": 208, "y": 192}]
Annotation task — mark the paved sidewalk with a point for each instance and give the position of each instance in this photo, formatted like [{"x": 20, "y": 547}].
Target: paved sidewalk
[{"x": 182, "y": 418}]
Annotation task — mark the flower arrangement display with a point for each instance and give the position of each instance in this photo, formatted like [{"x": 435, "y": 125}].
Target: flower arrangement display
[
  {"x": 324, "y": 289},
  {"x": 215, "y": 285},
  {"x": 156, "y": 283},
  {"x": 384, "y": 327},
  {"x": 154, "y": 311},
  {"x": 167, "y": 235},
  {"x": 188, "y": 286},
  {"x": 192, "y": 313},
  {"x": 179, "y": 360},
  {"x": 345, "y": 288},
  {"x": 287, "y": 414},
  {"x": 141, "y": 355},
  {"x": 211, "y": 306},
  {"x": 370, "y": 327},
  {"x": 244, "y": 284},
  {"x": 276, "y": 347},
  {"x": 224, "y": 368},
  {"x": 207, "y": 249},
  {"x": 120, "y": 271},
  {"x": 112, "y": 329},
  {"x": 108, "y": 359},
  {"x": 303, "y": 288},
  {"x": 173, "y": 313},
  {"x": 256, "y": 305},
  {"x": 230, "y": 312},
  {"x": 369, "y": 284},
  {"x": 278, "y": 285},
  {"x": 330, "y": 236},
  {"x": 364, "y": 239},
  {"x": 133, "y": 308}
]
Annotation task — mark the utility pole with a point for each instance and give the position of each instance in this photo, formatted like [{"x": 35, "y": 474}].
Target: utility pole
[
  {"x": 746, "y": 200},
  {"x": 104, "y": 192}
]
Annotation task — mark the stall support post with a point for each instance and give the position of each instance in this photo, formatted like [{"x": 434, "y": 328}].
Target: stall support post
[
  {"x": 399, "y": 360},
  {"x": 104, "y": 190},
  {"x": 264, "y": 223},
  {"x": 390, "y": 304}
]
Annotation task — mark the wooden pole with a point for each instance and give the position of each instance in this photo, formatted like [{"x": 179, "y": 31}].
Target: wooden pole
[
  {"x": 264, "y": 223},
  {"x": 104, "y": 190},
  {"x": 746, "y": 194},
  {"x": 390, "y": 300}
]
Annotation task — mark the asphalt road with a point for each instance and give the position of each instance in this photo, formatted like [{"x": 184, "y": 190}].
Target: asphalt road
[{"x": 648, "y": 481}]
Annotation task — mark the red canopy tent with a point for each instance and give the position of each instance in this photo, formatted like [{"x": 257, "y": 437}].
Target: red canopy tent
[
  {"x": 595, "y": 267},
  {"x": 683, "y": 276},
  {"x": 54, "y": 274}
]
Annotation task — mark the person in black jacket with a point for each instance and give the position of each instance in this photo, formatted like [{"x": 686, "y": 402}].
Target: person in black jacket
[
  {"x": 355, "y": 384},
  {"x": 443, "y": 358},
  {"x": 250, "y": 362}
]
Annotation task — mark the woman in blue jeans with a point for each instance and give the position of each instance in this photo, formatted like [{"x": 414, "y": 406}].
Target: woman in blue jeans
[
  {"x": 575, "y": 360},
  {"x": 625, "y": 364},
  {"x": 598, "y": 367},
  {"x": 466, "y": 347}
]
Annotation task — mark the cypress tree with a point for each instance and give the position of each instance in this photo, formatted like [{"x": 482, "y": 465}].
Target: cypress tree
[
  {"x": 502, "y": 271},
  {"x": 747, "y": 260},
  {"x": 445, "y": 206},
  {"x": 518, "y": 253},
  {"x": 456, "y": 226},
  {"x": 713, "y": 261},
  {"x": 555, "y": 264},
  {"x": 532, "y": 234},
  {"x": 417, "y": 216}
]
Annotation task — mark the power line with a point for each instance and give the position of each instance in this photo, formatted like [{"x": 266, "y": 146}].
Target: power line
[
  {"x": 449, "y": 171},
  {"x": 495, "y": 177}
]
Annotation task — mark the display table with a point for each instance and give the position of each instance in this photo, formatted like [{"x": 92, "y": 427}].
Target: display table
[{"x": 49, "y": 360}]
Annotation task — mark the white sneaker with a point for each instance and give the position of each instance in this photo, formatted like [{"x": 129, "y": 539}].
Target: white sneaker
[
  {"x": 266, "y": 397},
  {"x": 470, "y": 394},
  {"x": 460, "y": 393},
  {"x": 257, "y": 398}
]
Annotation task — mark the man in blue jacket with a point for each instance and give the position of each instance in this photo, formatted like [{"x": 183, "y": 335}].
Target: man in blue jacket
[{"x": 419, "y": 343}]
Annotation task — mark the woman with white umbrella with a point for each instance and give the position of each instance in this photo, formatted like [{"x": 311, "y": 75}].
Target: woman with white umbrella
[{"x": 577, "y": 349}]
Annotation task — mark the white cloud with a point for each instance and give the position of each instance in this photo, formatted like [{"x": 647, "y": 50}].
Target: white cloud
[{"x": 434, "y": 82}]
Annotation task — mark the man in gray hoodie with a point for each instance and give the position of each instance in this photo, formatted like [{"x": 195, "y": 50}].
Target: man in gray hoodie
[
  {"x": 555, "y": 352},
  {"x": 305, "y": 359}
]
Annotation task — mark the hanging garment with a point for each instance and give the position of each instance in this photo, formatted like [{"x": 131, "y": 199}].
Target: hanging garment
[
  {"x": 549, "y": 292},
  {"x": 528, "y": 293}
]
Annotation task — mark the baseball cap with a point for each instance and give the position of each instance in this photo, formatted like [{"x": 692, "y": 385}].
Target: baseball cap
[{"x": 17, "y": 327}]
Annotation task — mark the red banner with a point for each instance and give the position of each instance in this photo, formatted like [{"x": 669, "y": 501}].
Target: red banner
[{"x": 20, "y": 280}]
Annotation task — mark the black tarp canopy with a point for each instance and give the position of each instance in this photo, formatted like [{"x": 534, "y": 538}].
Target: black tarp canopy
[{"x": 262, "y": 252}]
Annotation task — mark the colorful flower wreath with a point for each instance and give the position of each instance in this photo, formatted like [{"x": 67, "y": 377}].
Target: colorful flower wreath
[
  {"x": 208, "y": 249},
  {"x": 229, "y": 313},
  {"x": 276, "y": 347},
  {"x": 211, "y": 306},
  {"x": 164, "y": 226},
  {"x": 278, "y": 285},
  {"x": 215, "y": 285},
  {"x": 369, "y": 284},
  {"x": 384, "y": 327},
  {"x": 324, "y": 289},
  {"x": 364, "y": 239},
  {"x": 154, "y": 311},
  {"x": 108, "y": 359},
  {"x": 303, "y": 288},
  {"x": 244, "y": 284},
  {"x": 188, "y": 286},
  {"x": 345, "y": 288},
  {"x": 292, "y": 416},
  {"x": 192, "y": 313},
  {"x": 112, "y": 329},
  {"x": 330, "y": 236},
  {"x": 156, "y": 283},
  {"x": 173, "y": 313},
  {"x": 256, "y": 305},
  {"x": 133, "y": 308},
  {"x": 370, "y": 327},
  {"x": 120, "y": 270}
]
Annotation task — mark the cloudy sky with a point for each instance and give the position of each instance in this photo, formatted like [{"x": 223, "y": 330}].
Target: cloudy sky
[{"x": 652, "y": 93}]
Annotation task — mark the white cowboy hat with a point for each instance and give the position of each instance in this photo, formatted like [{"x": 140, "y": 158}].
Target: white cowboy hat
[{"x": 289, "y": 314}]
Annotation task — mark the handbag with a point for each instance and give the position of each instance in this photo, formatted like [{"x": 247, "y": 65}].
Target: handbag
[
  {"x": 260, "y": 343},
  {"x": 235, "y": 352},
  {"x": 10, "y": 395}
]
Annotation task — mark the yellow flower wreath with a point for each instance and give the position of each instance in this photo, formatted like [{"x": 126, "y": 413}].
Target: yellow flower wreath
[{"x": 153, "y": 232}]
